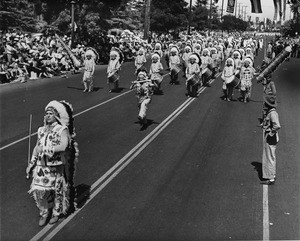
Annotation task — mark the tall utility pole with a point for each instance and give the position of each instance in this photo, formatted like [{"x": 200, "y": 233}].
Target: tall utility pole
[
  {"x": 190, "y": 15},
  {"x": 72, "y": 23},
  {"x": 235, "y": 7},
  {"x": 210, "y": 15},
  {"x": 147, "y": 19},
  {"x": 222, "y": 9}
]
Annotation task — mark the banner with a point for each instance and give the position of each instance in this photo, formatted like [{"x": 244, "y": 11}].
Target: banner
[
  {"x": 256, "y": 6},
  {"x": 230, "y": 6}
]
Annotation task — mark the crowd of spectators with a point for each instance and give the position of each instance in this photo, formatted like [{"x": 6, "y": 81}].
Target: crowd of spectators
[{"x": 26, "y": 56}]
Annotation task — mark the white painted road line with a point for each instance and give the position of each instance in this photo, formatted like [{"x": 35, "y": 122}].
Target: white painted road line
[
  {"x": 117, "y": 168},
  {"x": 266, "y": 224}
]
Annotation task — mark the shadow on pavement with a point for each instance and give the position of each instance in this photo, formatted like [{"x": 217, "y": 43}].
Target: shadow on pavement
[
  {"x": 95, "y": 89},
  {"x": 82, "y": 194},
  {"x": 258, "y": 168},
  {"x": 118, "y": 90},
  {"x": 148, "y": 123}
]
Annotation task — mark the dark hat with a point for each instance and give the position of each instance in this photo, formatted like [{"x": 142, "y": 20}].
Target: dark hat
[{"x": 270, "y": 100}]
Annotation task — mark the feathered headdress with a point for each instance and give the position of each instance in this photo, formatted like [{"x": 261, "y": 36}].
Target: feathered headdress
[{"x": 59, "y": 111}]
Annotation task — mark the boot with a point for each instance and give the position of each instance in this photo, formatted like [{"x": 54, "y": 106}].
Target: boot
[{"x": 54, "y": 219}]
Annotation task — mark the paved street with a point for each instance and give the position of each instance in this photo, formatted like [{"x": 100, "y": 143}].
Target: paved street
[{"x": 192, "y": 174}]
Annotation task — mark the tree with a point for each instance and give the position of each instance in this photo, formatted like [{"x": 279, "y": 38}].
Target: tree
[
  {"x": 204, "y": 15},
  {"x": 168, "y": 15},
  {"x": 231, "y": 23},
  {"x": 200, "y": 16},
  {"x": 17, "y": 14}
]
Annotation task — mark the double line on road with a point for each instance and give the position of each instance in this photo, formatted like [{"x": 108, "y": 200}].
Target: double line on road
[{"x": 50, "y": 231}]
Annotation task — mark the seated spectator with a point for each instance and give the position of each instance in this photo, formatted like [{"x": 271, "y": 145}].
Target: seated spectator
[{"x": 4, "y": 74}]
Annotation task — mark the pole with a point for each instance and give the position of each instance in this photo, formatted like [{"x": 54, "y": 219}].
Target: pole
[
  {"x": 210, "y": 15},
  {"x": 235, "y": 8},
  {"x": 147, "y": 19},
  {"x": 72, "y": 15},
  {"x": 190, "y": 13},
  {"x": 222, "y": 9}
]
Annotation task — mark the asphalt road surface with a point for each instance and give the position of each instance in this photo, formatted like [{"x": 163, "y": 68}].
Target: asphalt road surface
[{"x": 193, "y": 173}]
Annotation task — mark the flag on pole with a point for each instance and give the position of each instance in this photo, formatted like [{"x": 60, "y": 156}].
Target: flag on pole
[
  {"x": 230, "y": 6},
  {"x": 256, "y": 6}
]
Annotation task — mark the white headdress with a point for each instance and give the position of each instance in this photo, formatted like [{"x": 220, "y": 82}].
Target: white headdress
[
  {"x": 249, "y": 60},
  {"x": 195, "y": 56},
  {"x": 175, "y": 49},
  {"x": 155, "y": 55},
  {"x": 59, "y": 111}
]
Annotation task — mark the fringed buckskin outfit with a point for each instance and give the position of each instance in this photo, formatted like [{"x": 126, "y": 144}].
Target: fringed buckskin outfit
[
  {"x": 49, "y": 184},
  {"x": 52, "y": 162}
]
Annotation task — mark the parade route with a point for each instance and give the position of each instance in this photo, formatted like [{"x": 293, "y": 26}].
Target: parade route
[{"x": 192, "y": 174}]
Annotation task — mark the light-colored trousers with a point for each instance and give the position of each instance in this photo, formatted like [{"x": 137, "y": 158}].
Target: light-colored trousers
[
  {"x": 269, "y": 160},
  {"x": 143, "y": 106},
  {"x": 88, "y": 80}
]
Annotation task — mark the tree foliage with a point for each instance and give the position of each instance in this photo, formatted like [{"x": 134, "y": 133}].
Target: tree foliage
[
  {"x": 231, "y": 23},
  {"x": 168, "y": 15},
  {"x": 17, "y": 14}
]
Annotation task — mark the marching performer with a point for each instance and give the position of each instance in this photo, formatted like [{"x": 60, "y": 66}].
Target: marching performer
[
  {"x": 156, "y": 72},
  {"x": 113, "y": 68},
  {"x": 228, "y": 75},
  {"x": 237, "y": 58},
  {"x": 197, "y": 49},
  {"x": 51, "y": 160},
  {"x": 228, "y": 51},
  {"x": 214, "y": 63},
  {"x": 220, "y": 57},
  {"x": 242, "y": 51},
  {"x": 167, "y": 55},
  {"x": 185, "y": 57},
  {"x": 193, "y": 75},
  {"x": 158, "y": 49},
  {"x": 249, "y": 53},
  {"x": 206, "y": 62},
  {"x": 89, "y": 70},
  {"x": 246, "y": 75},
  {"x": 174, "y": 62},
  {"x": 140, "y": 60},
  {"x": 144, "y": 93}
]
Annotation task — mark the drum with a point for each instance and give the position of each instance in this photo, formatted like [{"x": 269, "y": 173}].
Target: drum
[
  {"x": 175, "y": 70},
  {"x": 193, "y": 80},
  {"x": 157, "y": 78},
  {"x": 113, "y": 78},
  {"x": 236, "y": 82},
  {"x": 206, "y": 73}
]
